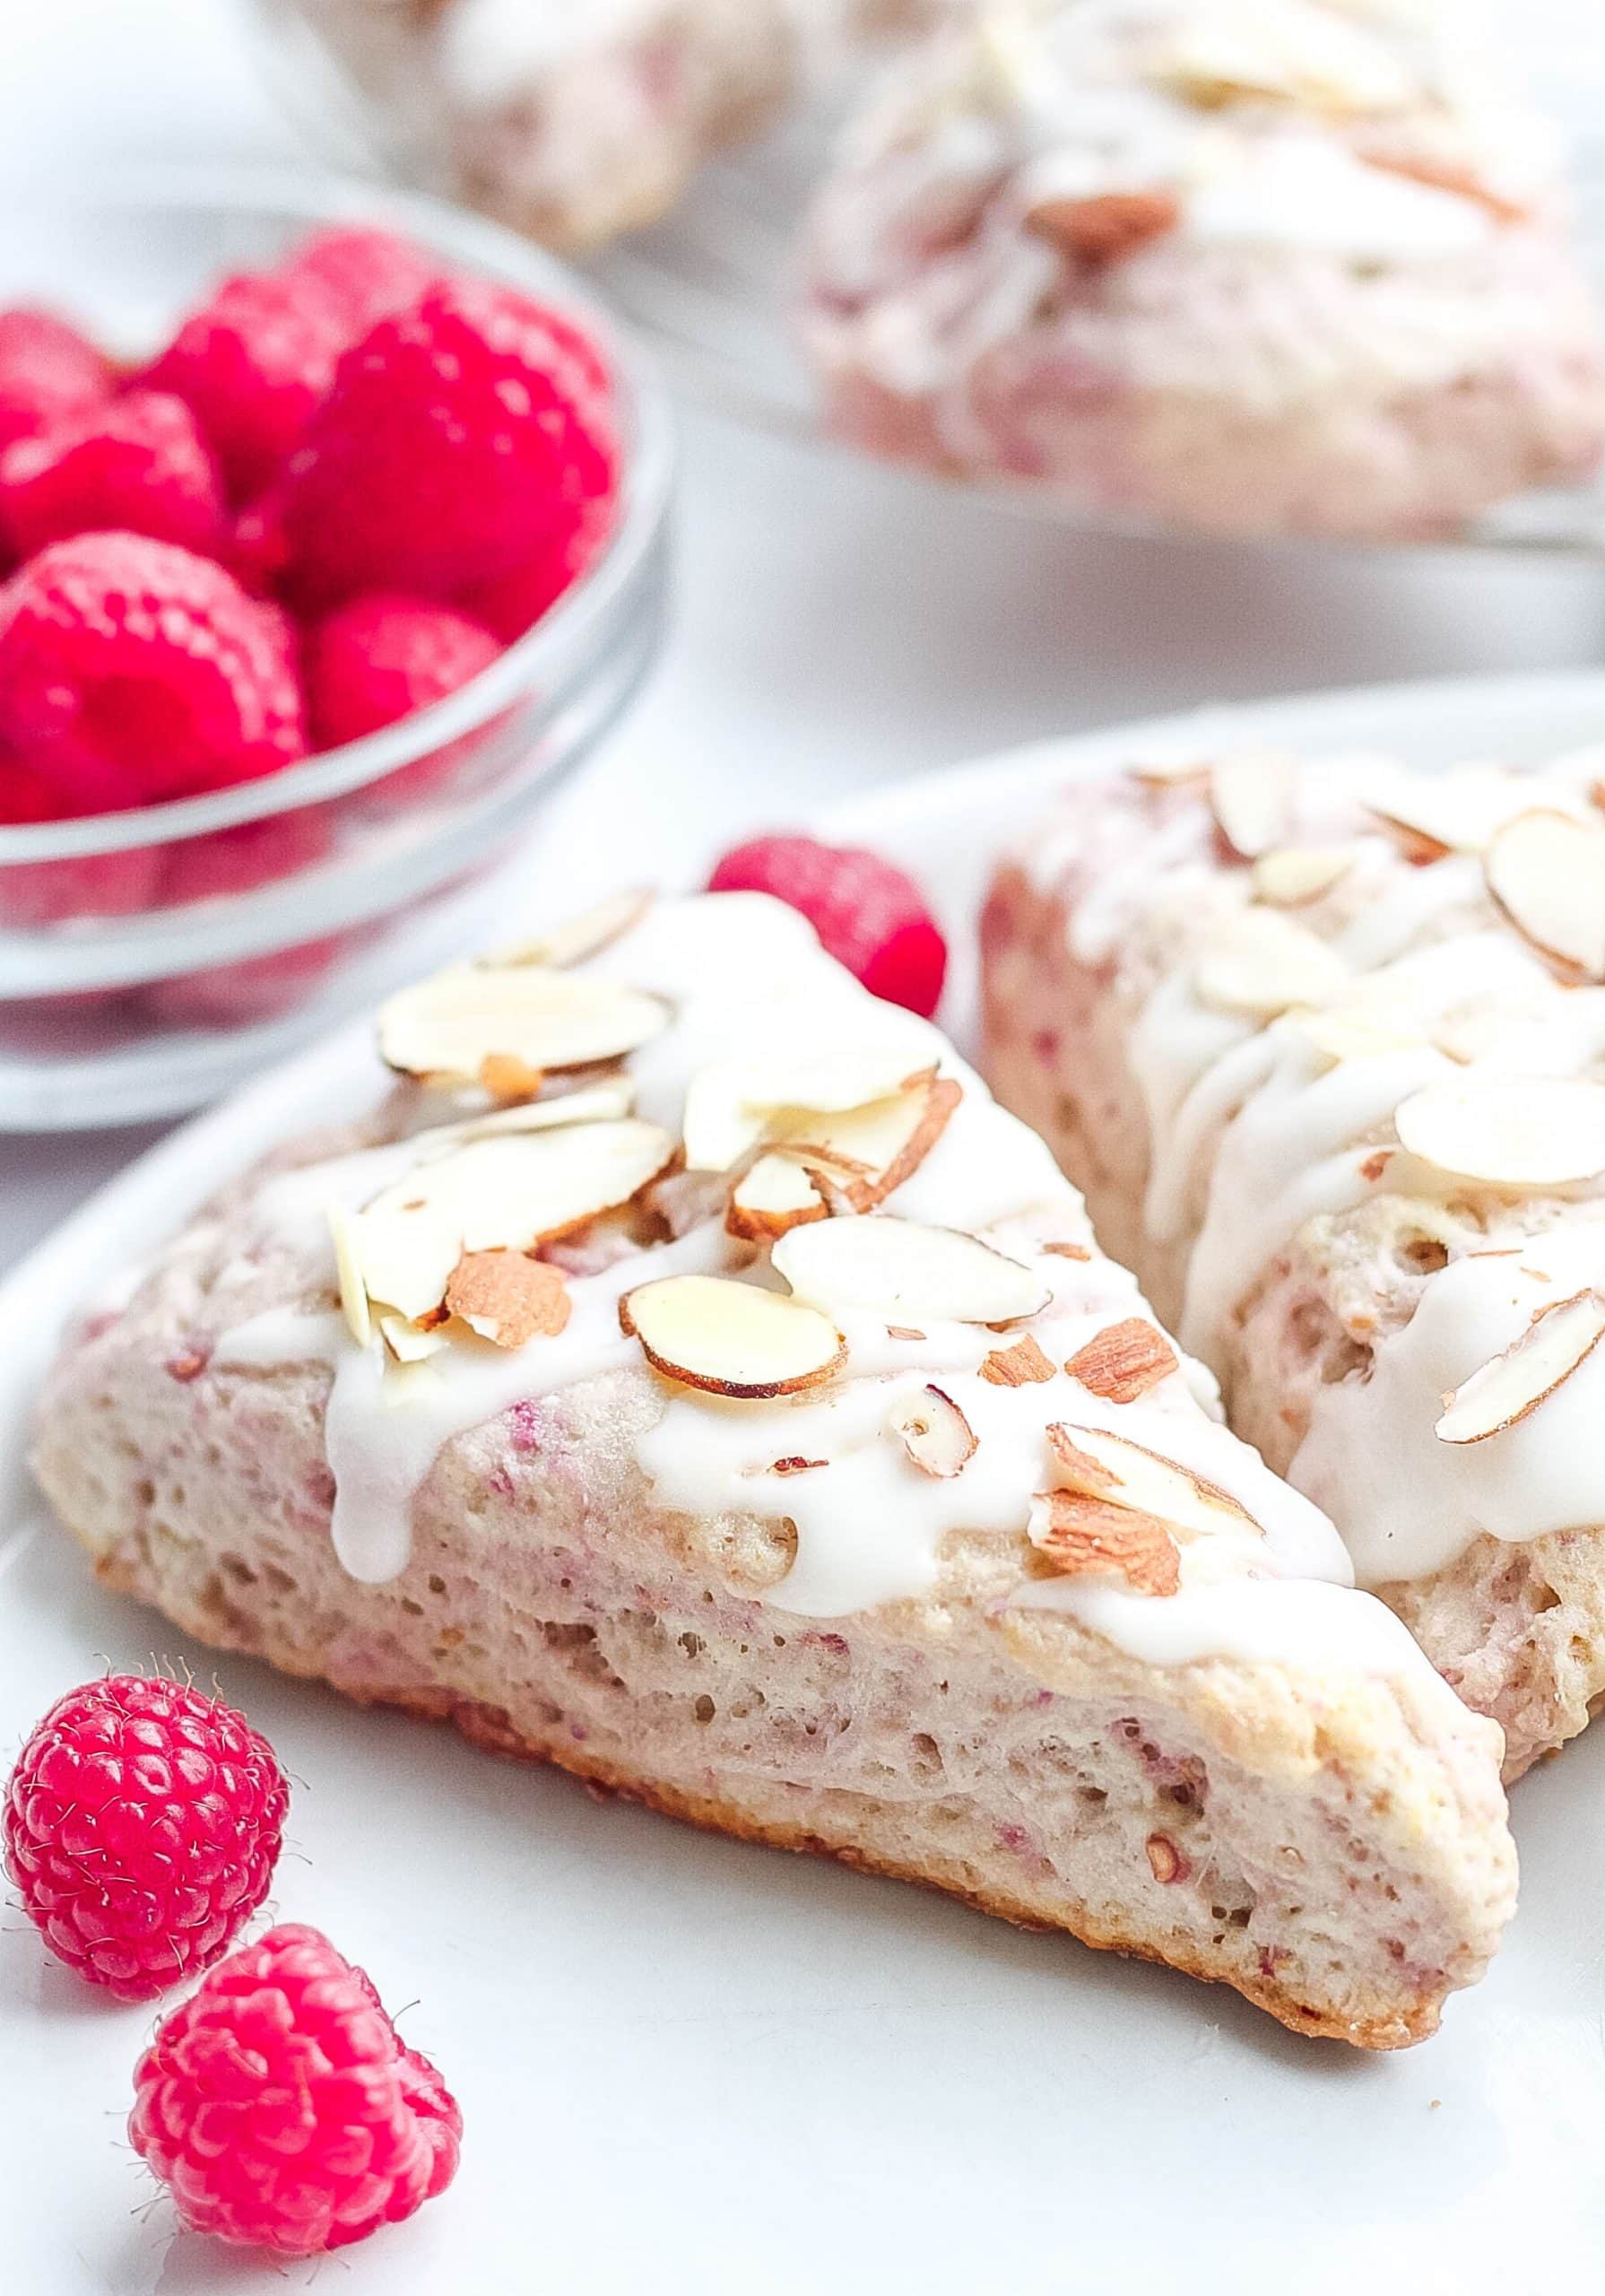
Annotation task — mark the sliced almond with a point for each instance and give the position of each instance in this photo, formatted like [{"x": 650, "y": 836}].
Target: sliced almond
[
  {"x": 1023, "y": 1365},
  {"x": 732, "y": 1107},
  {"x": 1080, "y": 1535},
  {"x": 508, "y": 1298},
  {"x": 1559, "y": 1339},
  {"x": 774, "y": 1195},
  {"x": 1459, "y": 811},
  {"x": 407, "y": 1343},
  {"x": 869, "y": 1152},
  {"x": 1447, "y": 175},
  {"x": 1124, "y": 1362},
  {"x": 1251, "y": 797},
  {"x": 1352, "y": 1031},
  {"x": 731, "y": 1338},
  {"x": 934, "y": 1432},
  {"x": 903, "y": 1272},
  {"x": 1294, "y": 874},
  {"x": 581, "y": 936},
  {"x": 512, "y": 1190},
  {"x": 1103, "y": 1465},
  {"x": 1105, "y": 227},
  {"x": 1260, "y": 963},
  {"x": 529, "y": 1016},
  {"x": 613, "y": 1096},
  {"x": 1512, "y": 1132},
  {"x": 1217, "y": 58},
  {"x": 348, "y": 1267},
  {"x": 1546, "y": 871},
  {"x": 1178, "y": 772}
]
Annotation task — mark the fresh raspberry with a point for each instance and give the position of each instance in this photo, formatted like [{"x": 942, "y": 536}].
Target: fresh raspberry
[
  {"x": 47, "y": 371},
  {"x": 382, "y": 656},
  {"x": 366, "y": 273},
  {"x": 257, "y": 549},
  {"x": 869, "y": 916},
  {"x": 139, "y": 464},
  {"x": 463, "y": 437},
  {"x": 133, "y": 671},
  {"x": 279, "y": 2105},
  {"x": 142, "y": 1826},
  {"x": 253, "y": 364},
  {"x": 516, "y": 602},
  {"x": 51, "y": 892}
]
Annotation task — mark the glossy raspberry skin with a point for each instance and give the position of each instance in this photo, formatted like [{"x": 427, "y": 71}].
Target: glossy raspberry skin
[
  {"x": 366, "y": 273},
  {"x": 139, "y": 464},
  {"x": 281, "y": 2108},
  {"x": 133, "y": 671},
  {"x": 142, "y": 1826},
  {"x": 253, "y": 364},
  {"x": 379, "y": 658},
  {"x": 870, "y": 916},
  {"x": 50, "y": 892},
  {"x": 47, "y": 373},
  {"x": 516, "y": 602},
  {"x": 464, "y": 436}
]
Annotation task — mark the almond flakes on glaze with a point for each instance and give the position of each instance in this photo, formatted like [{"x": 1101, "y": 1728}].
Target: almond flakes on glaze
[
  {"x": 1124, "y": 1362},
  {"x": 1555, "y": 1343},
  {"x": 518, "y": 1018},
  {"x": 1512, "y": 1132},
  {"x": 1023, "y": 1365},
  {"x": 1105, "y": 227},
  {"x": 581, "y": 936},
  {"x": 1260, "y": 963},
  {"x": 902, "y": 1270},
  {"x": 730, "y": 1338},
  {"x": 1547, "y": 873},
  {"x": 1251, "y": 797},
  {"x": 934, "y": 1432},
  {"x": 508, "y": 1298},
  {"x": 773, "y": 1195},
  {"x": 1101, "y": 1465},
  {"x": 1291, "y": 876},
  {"x": 1078, "y": 1533},
  {"x": 732, "y": 1106}
]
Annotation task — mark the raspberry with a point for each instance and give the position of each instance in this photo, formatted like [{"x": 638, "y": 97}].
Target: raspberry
[
  {"x": 50, "y": 892},
  {"x": 47, "y": 371},
  {"x": 240, "y": 859},
  {"x": 382, "y": 656},
  {"x": 132, "y": 671},
  {"x": 463, "y": 437},
  {"x": 281, "y": 2109},
  {"x": 142, "y": 1826},
  {"x": 366, "y": 273},
  {"x": 253, "y": 364},
  {"x": 517, "y": 601},
  {"x": 257, "y": 550},
  {"x": 869, "y": 916},
  {"x": 139, "y": 464}
]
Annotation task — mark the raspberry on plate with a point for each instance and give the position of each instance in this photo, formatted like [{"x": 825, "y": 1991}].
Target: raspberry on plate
[
  {"x": 142, "y": 1826},
  {"x": 52, "y": 892},
  {"x": 382, "y": 656},
  {"x": 139, "y": 463},
  {"x": 281, "y": 2109},
  {"x": 132, "y": 671},
  {"x": 870, "y": 916},
  {"x": 47, "y": 371},
  {"x": 464, "y": 436},
  {"x": 367, "y": 273},
  {"x": 253, "y": 364}
]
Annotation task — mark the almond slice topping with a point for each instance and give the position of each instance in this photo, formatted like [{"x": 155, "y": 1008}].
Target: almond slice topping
[
  {"x": 1546, "y": 871},
  {"x": 1178, "y": 772},
  {"x": 522, "y": 1018},
  {"x": 1105, "y": 227},
  {"x": 508, "y": 1298},
  {"x": 774, "y": 1195},
  {"x": 1559, "y": 1338},
  {"x": 734, "y": 1107},
  {"x": 1296, "y": 875},
  {"x": 581, "y": 936},
  {"x": 407, "y": 1343},
  {"x": 1459, "y": 811},
  {"x": 903, "y": 1272},
  {"x": 1251, "y": 794},
  {"x": 1124, "y": 1362},
  {"x": 730, "y": 1338},
  {"x": 1353, "y": 1031},
  {"x": 1100, "y": 1464},
  {"x": 1512, "y": 1132},
  {"x": 613, "y": 1096},
  {"x": 867, "y": 1152},
  {"x": 513, "y": 1190},
  {"x": 1080, "y": 1534},
  {"x": 1260, "y": 963},
  {"x": 1023, "y": 1365},
  {"x": 348, "y": 1267},
  {"x": 934, "y": 1432}
]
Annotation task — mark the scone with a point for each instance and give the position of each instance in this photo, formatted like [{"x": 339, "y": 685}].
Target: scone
[
  {"x": 1257, "y": 265},
  {"x": 1325, "y": 1044},
  {"x": 739, "y": 1414}
]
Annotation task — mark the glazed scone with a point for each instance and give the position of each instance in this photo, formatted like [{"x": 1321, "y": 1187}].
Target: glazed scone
[
  {"x": 1257, "y": 265},
  {"x": 1324, "y": 1042},
  {"x": 820, "y": 1481}
]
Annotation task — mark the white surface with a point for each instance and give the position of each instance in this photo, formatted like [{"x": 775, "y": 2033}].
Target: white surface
[{"x": 687, "y": 2065}]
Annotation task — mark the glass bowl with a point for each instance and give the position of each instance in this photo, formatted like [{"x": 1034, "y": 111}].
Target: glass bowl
[{"x": 289, "y": 902}]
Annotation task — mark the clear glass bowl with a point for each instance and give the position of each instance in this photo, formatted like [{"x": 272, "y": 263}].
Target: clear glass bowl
[{"x": 322, "y": 884}]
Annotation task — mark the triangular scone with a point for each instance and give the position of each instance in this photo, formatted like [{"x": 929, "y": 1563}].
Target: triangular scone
[
  {"x": 1324, "y": 1042},
  {"x": 829, "y": 1548}
]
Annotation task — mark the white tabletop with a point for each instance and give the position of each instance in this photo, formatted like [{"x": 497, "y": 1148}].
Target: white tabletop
[{"x": 837, "y": 626}]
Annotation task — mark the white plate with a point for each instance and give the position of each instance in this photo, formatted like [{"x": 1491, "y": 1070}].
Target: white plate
[{"x": 687, "y": 2065}]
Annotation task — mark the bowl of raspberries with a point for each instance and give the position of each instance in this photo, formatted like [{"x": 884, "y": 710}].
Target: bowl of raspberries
[{"x": 332, "y": 537}]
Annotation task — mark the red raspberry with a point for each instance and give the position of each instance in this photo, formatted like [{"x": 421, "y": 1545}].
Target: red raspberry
[
  {"x": 382, "y": 656},
  {"x": 253, "y": 364},
  {"x": 139, "y": 464},
  {"x": 281, "y": 2106},
  {"x": 47, "y": 371},
  {"x": 240, "y": 859},
  {"x": 366, "y": 273},
  {"x": 870, "y": 916},
  {"x": 50, "y": 892},
  {"x": 132, "y": 671},
  {"x": 463, "y": 437},
  {"x": 142, "y": 1826},
  {"x": 256, "y": 551},
  {"x": 517, "y": 601}
]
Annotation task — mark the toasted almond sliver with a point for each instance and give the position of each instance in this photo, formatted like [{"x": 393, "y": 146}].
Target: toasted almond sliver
[
  {"x": 1559, "y": 1339},
  {"x": 1080, "y": 1535},
  {"x": 407, "y": 1343},
  {"x": 613, "y": 1096},
  {"x": 1260, "y": 963},
  {"x": 934, "y": 1432},
  {"x": 1105, "y": 1466},
  {"x": 1546, "y": 871},
  {"x": 774, "y": 1195},
  {"x": 1294, "y": 874},
  {"x": 1068, "y": 1251},
  {"x": 581, "y": 936},
  {"x": 733, "y": 1106},
  {"x": 1105, "y": 227},
  {"x": 508, "y": 1298},
  {"x": 348, "y": 1266},
  {"x": 1511, "y": 1132},
  {"x": 731, "y": 1338},
  {"x": 525, "y": 1017},
  {"x": 868, "y": 1153},
  {"x": 1023, "y": 1365},
  {"x": 1124, "y": 1362},
  {"x": 1251, "y": 794},
  {"x": 903, "y": 1272}
]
